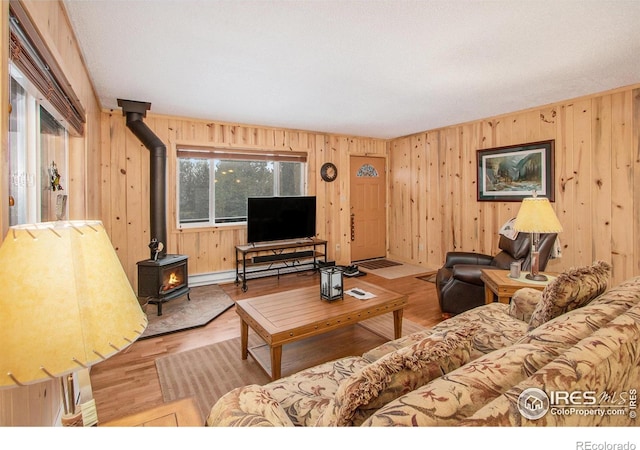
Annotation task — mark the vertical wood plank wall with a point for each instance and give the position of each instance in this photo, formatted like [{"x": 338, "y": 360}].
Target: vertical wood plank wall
[
  {"x": 38, "y": 404},
  {"x": 433, "y": 184},
  {"x": 125, "y": 186}
]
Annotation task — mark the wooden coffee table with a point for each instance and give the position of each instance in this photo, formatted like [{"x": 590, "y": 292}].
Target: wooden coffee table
[
  {"x": 499, "y": 282},
  {"x": 293, "y": 315}
]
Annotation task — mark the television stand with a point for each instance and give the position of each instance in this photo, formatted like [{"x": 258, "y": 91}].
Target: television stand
[{"x": 273, "y": 258}]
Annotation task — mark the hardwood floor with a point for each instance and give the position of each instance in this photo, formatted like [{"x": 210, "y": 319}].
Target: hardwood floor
[{"x": 128, "y": 382}]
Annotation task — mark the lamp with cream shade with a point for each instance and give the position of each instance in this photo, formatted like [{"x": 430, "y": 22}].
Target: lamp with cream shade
[
  {"x": 536, "y": 216},
  {"x": 66, "y": 304}
]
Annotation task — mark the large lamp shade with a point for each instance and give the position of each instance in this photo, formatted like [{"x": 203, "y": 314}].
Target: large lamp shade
[
  {"x": 65, "y": 301},
  {"x": 537, "y": 216}
]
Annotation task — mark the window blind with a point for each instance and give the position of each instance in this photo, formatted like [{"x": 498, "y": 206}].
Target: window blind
[{"x": 32, "y": 56}]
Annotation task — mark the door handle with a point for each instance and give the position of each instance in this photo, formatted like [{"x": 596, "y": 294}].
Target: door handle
[{"x": 353, "y": 227}]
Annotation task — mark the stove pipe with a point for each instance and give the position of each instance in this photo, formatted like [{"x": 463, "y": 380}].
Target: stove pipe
[{"x": 135, "y": 112}]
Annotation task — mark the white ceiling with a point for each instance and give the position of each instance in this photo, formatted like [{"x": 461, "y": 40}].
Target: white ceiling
[{"x": 383, "y": 68}]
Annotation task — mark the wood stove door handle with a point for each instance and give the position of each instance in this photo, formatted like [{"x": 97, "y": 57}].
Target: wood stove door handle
[{"x": 353, "y": 227}]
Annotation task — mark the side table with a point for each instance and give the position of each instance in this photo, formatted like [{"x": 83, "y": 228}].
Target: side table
[
  {"x": 499, "y": 283},
  {"x": 179, "y": 413}
]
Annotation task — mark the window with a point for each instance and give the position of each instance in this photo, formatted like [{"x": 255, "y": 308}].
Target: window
[
  {"x": 37, "y": 157},
  {"x": 213, "y": 185}
]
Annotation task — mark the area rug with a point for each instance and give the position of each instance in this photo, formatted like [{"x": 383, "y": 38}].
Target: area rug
[
  {"x": 207, "y": 303},
  {"x": 207, "y": 373}
]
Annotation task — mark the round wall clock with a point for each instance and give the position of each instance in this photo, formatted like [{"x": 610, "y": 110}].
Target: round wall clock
[{"x": 328, "y": 172}]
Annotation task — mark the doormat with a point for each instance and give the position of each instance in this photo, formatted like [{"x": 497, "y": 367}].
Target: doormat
[
  {"x": 207, "y": 303},
  {"x": 377, "y": 264}
]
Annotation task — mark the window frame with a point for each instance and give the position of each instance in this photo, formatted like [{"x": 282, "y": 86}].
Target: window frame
[
  {"x": 32, "y": 141},
  {"x": 215, "y": 154}
]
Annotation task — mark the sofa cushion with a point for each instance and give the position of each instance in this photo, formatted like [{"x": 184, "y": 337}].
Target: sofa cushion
[
  {"x": 446, "y": 400},
  {"x": 496, "y": 330},
  {"x": 247, "y": 406},
  {"x": 608, "y": 359},
  {"x": 397, "y": 373},
  {"x": 523, "y": 303},
  {"x": 305, "y": 394},
  {"x": 570, "y": 290}
]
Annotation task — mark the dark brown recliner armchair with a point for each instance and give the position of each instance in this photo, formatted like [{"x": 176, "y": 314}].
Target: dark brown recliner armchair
[{"x": 458, "y": 282}]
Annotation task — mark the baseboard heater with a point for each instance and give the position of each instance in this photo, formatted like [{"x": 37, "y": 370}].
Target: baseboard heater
[{"x": 283, "y": 256}]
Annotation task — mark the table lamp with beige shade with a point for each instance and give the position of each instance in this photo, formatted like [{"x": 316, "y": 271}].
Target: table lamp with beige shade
[
  {"x": 536, "y": 216},
  {"x": 66, "y": 305}
]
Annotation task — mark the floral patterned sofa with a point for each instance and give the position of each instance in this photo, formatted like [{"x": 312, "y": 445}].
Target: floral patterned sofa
[{"x": 470, "y": 370}]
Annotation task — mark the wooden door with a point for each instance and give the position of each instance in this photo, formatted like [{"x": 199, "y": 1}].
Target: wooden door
[{"x": 368, "y": 208}]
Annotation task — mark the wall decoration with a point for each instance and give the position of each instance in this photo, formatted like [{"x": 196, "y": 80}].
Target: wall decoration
[
  {"x": 514, "y": 172},
  {"x": 54, "y": 177},
  {"x": 328, "y": 172}
]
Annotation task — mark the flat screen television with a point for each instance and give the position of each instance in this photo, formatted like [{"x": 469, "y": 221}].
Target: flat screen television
[{"x": 280, "y": 218}]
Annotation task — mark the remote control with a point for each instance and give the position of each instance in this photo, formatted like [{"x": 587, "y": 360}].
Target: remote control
[{"x": 357, "y": 292}]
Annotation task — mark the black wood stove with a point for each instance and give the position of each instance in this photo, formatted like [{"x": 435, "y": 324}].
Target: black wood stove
[{"x": 161, "y": 277}]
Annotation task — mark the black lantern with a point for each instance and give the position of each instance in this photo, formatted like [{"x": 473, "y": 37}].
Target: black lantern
[{"x": 331, "y": 283}]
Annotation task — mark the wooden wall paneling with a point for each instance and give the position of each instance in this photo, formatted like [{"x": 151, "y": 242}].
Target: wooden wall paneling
[
  {"x": 130, "y": 202},
  {"x": 635, "y": 149},
  {"x": 420, "y": 196},
  {"x": 505, "y": 130},
  {"x": 532, "y": 125},
  {"x": 581, "y": 203},
  {"x": 468, "y": 141},
  {"x": 93, "y": 164},
  {"x": 444, "y": 195},
  {"x": 339, "y": 198},
  {"x": 35, "y": 404},
  {"x": 212, "y": 131},
  {"x": 520, "y": 129},
  {"x": 565, "y": 182},
  {"x": 38, "y": 395},
  {"x": 118, "y": 190},
  {"x": 484, "y": 217},
  {"x": 172, "y": 181},
  {"x": 399, "y": 171},
  {"x": 333, "y": 213},
  {"x": 601, "y": 172},
  {"x": 547, "y": 123},
  {"x": 622, "y": 182},
  {"x": 76, "y": 181},
  {"x": 319, "y": 187},
  {"x": 452, "y": 205},
  {"x": 189, "y": 244},
  {"x": 105, "y": 170},
  {"x": 434, "y": 236},
  {"x": 215, "y": 252},
  {"x": 315, "y": 141},
  {"x": 332, "y": 192},
  {"x": 4, "y": 130},
  {"x": 136, "y": 202},
  {"x": 392, "y": 190}
]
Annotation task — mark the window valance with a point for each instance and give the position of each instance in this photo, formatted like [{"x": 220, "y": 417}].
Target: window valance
[
  {"x": 240, "y": 154},
  {"x": 31, "y": 55}
]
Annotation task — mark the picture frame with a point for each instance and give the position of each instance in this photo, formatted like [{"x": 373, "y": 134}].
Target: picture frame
[{"x": 514, "y": 172}]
